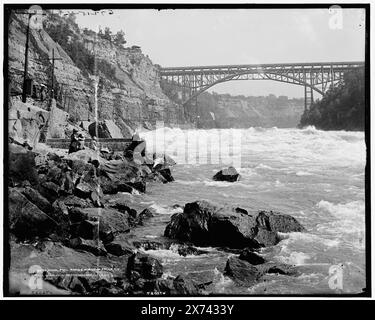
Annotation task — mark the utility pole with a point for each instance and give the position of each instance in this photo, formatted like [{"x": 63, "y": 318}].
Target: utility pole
[
  {"x": 26, "y": 58},
  {"x": 53, "y": 73}
]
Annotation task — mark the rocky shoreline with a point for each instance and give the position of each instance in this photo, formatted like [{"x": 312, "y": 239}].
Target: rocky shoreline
[{"x": 70, "y": 238}]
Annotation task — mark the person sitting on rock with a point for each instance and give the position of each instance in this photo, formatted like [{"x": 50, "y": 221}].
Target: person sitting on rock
[
  {"x": 137, "y": 146},
  {"x": 74, "y": 144},
  {"x": 81, "y": 142},
  {"x": 94, "y": 144}
]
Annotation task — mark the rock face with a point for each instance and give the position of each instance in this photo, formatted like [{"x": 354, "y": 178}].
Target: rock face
[
  {"x": 26, "y": 220},
  {"x": 226, "y": 111},
  {"x": 229, "y": 174},
  {"x": 203, "y": 224},
  {"x": 129, "y": 92}
]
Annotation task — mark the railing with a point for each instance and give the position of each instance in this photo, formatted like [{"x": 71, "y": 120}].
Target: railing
[{"x": 111, "y": 144}]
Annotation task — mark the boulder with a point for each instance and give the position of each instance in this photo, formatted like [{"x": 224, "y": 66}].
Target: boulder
[
  {"x": 93, "y": 246},
  {"x": 36, "y": 198},
  {"x": 266, "y": 237},
  {"x": 49, "y": 190},
  {"x": 244, "y": 272},
  {"x": 251, "y": 257},
  {"x": 144, "y": 215},
  {"x": 121, "y": 176},
  {"x": 138, "y": 185},
  {"x": 100, "y": 130},
  {"x": 26, "y": 220},
  {"x": 83, "y": 190},
  {"x": 203, "y": 224},
  {"x": 86, "y": 156},
  {"x": 177, "y": 286},
  {"x": 283, "y": 223},
  {"x": 241, "y": 271},
  {"x": 110, "y": 221},
  {"x": 123, "y": 208},
  {"x": 77, "y": 215},
  {"x": 143, "y": 266},
  {"x": 279, "y": 268},
  {"x": 118, "y": 249},
  {"x": 88, "y": 229},
  {"x": 67, "y": 282},
  {"x": 229, "y": 174},
  {"x": 166, "y": 174},
  {"x": 22, "y": 165},
  {"x": 88, "y": 186},
  {"x": 74, "y": 201},
  {"x": 186, "y": 250},
  {"x": 60, "y": 208}
]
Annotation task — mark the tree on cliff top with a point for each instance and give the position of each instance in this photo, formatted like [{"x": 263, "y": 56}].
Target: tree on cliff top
[
  {"x": 119, "y": 38},
  {"x": 342, "y": 107}
]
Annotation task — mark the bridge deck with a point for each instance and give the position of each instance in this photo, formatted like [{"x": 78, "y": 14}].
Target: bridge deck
[{"x": 296, "y": 67}]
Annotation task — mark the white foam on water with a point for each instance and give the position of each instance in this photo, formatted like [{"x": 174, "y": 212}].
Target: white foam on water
[
  {"x": 305, "y": 237},
  {"x": 263, "y": 166},
  {"x": 347, "y": 224},
  {"x": 351, "y": 210},
  {"x": 303, "y": 173},
  {"x": 295, "y": 258},
  {"x": 165, "y": 210},
  {"x": 289, "y": 146},
  {"x": 221, "y": 282},
  {"x": 164, "y": 254},
  {"x": 150, "y": 236},
  {"x": 279, "y": 184}
]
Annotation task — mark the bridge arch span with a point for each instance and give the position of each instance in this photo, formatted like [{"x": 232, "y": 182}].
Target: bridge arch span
[
  {"x": 264, "y": 76},
  {"x": 313, "y": 76}
]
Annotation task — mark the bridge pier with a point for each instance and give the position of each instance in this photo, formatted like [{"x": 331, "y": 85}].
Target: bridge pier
[{"x": 309, "y": 97}]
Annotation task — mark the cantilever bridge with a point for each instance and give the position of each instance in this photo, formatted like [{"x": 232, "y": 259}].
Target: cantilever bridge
[{"x": 318, "y": 77}]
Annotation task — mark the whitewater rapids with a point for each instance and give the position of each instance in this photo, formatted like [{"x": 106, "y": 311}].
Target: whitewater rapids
[{"x": 316, "y": 176}]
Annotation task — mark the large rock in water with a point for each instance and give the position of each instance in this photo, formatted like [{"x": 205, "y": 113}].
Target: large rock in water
[
  {"x": 229, "y": 174},
  {"x": 204, "y": 224},
  {"x": 243, "y": 272},
  {"x": 143, "y": 266}
]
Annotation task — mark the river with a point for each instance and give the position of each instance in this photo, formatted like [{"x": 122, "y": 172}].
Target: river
[{"x": 315, "y": 176}]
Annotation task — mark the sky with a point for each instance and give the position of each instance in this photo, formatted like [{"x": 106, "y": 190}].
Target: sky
[{"x": 191, "y": 37}]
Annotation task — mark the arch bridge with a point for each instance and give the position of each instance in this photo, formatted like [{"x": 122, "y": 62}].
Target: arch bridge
[{"x": 318, "y": 76}]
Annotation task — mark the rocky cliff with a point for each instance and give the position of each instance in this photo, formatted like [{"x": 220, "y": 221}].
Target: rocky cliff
[
  {"x": 226, "y": 111},
  {"x": 129, "y": 92}
]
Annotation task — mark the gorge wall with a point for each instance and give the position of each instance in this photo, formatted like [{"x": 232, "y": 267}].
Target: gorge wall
[
  {"x": 129, "y": 92},
  {"x": 226, "y": 111}
]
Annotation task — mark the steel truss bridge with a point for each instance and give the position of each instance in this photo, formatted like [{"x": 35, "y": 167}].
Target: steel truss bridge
[{"x": 318, "y": 77}]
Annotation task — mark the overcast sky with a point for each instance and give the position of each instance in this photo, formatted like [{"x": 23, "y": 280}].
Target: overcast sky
[{"x": 239, "y": 36}]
